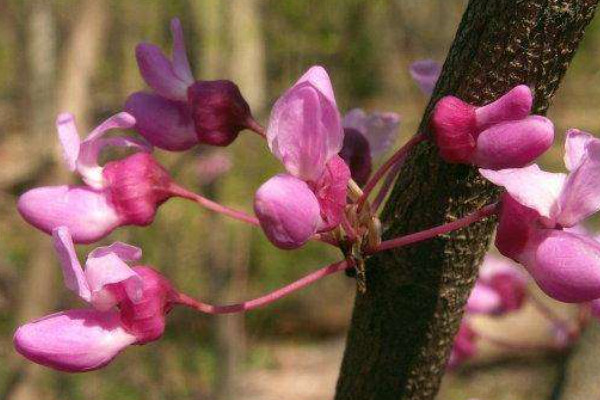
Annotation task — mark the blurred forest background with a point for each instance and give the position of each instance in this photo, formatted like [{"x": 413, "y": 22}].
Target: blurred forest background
[{"x": 78, "y": 56}]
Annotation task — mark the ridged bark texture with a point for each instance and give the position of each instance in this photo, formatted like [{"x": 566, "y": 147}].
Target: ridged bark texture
[{"x": 403, "y": 326}]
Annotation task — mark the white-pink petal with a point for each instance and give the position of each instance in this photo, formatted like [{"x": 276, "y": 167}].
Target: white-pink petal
[
  {"x": 73, "y": 274},
  {"x": 575, "y": 143},
  {"x": 69, "y": 139}
]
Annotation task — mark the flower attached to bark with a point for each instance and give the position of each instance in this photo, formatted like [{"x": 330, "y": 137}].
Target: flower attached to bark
[
  {"x": 305, "y": 133},
  {"x": 183, "y": 112},
  {"x": 499, "y": 135},
  {"x": 129, "y": 306},
  {"x": 122, "y": 192},
  {"x": 539, "y": 216}
]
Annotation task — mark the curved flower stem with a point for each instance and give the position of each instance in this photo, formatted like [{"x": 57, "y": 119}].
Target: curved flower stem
[
  {"x": 263, "y": 300},
  {"x": 484, "y": 212},
  {"x": 521, "y": 346},
  {"x": 386, "y": 186},
  {"x": 256, "y": 127},
  {"x": 396, "y": 157}
]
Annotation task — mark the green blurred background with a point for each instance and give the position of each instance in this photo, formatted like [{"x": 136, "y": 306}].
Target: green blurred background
[{"x": 78, "y": 56}]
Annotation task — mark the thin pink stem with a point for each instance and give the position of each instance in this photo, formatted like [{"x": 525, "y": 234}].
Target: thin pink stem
[
  {"x": 387, "y": 184},
  {"x": 214, "y": 206},
  {"x": 438, "y": 230},
  {"x": 263, "y": 300},
  {"x": 254, "y": 126},
  {"x": 397, "y": 156},
  {"x": 350, "y": 231}
]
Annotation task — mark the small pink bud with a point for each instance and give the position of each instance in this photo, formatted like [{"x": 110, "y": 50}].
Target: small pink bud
[
  {"x": 454, "y": 125},
  {"x": 137, "y": 185},
  {"x": 219, "y": 111},
  {"x": 356, "y": 152}
]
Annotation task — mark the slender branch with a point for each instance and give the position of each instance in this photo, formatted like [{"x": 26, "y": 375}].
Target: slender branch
[
  {"x": 263, "y": 300},
  {"x": 478, "y": 215}
]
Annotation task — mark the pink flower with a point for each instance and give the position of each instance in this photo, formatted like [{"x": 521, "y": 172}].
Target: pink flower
[
  {"x": 87, "y": 339},
  {"x": 183, "y": 112},
  {"x": 498, "y": 135},
  {"x": 123, "y": 192},
  {"x": 501, "y": 288},
  {"x": 536, "y": 212},
  {"x": 464, "y": 347},
  {"x": 305, "y": 133},
  {"x": 366, "y": 136},
  {"x": 426, "y": 74}
]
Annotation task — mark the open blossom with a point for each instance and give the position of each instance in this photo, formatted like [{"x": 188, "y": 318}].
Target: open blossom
[
  {"x": 538, "y": 216},
  {"x": 500, "y": 288},
  {"x": 122, "y": 192},
  {"x": 129, "y": 306},
  {"x": 182, "y": 112},
  {"x": 305, "y": 133},
  {"x": 499, "y": 135},
  {"x": 366, "y": 136},
  {"x": 426, "y": 74}
]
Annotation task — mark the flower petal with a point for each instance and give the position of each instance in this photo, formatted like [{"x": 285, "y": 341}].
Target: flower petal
[
  {"x": 483, "y": 300},
  {"x": 85, "y": 212},
  {"x": 355, "y": 119},
  {"x": 165, "y": 123},
  {"x": 511, "y": 106},
  {"x": 72, "y": 272},
  {"x": 580, "y": 197},
  {"x": 575, "y": 144},
  {"x": 74, "y": 340},
  {"x": 382, "y": 130},
  {"x": 317, "y": 76},
  {"x": 69, "y": 139},
  {"x": 530, "y": 186},
  {"x": 331, "y": 190},
  {"x": 288, "y": 211},
  {"x": 425, "y": 73},
  {"x": 181, "y": 65},
  {"x": 124, "y": 251},
  {"x": 159, "y": 74}
]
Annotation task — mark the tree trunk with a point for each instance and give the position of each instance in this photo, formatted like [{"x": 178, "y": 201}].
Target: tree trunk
[{"x": 403, "y": 327}]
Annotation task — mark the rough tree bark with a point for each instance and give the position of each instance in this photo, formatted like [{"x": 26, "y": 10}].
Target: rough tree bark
[{"x": 403, "y": 327}]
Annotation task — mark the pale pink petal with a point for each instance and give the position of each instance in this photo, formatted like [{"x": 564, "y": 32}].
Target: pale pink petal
[
  {"x": 565, "y": 265},
  {"x": 159, "y": 74},
  {"x": 288, "y": 211},
  {"x": 74, "y": 340},
  {"x": 382, "y": 131},
  {"x": 580, "y": 197},
  {"x": 73, "y": 275},
  {"x": 575, "y": 144},
  {"x": 513, "y": 105},
  {"x": 355, "y": 119},
  {"x": 425, "y": 73},
  {"x": 124, "y": 251},
  {"x": 164, "y": 123},
  {"x": 86, "y": 213},
  {"x": 483, "y": 300},
  {"x": 331, "y": 191},
  {"x": 530, "y": 186},
  {"x": 513, "y": 144},
  {"x": 494, "y": 265},
  {"x": 103, "y": 273},
  {"x": 69, "y": 139},
  {"x": 317, "y": 76},
  {"x": 181, "y": 65}
]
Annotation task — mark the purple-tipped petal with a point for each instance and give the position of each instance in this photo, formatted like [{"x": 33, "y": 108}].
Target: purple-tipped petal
[
  {"x": 288, "y": 211},
  {"x": 159, "y": 74},
  {"x": 165, "y": 123},
  {"x": 181, "y": 65},
  {"x": 575, "y": 147},
  {"x": 514, "y": 105},
  {"x": 73, "y": 274},
  {"x": 513, "y": 144},
  {"x": 331, "y": 191},
  {"x": 74, "y": 340},
  {"x": 530, "y": 186},
  {"x": 69, "y": 139},
  {"x": 565, "y": 265},
  {"x": 580, "y": 197},
  {"x": 85, "y": 212},
  {"x": 304, "y": 129},
  {"x": 426, "y": 74},
  {"x": 483, "y": 300}
]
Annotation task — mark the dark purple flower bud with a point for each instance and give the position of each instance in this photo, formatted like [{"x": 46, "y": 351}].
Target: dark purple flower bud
[
  {"x": 219, "y": 111},
  {"x": 356, "y": 152}
]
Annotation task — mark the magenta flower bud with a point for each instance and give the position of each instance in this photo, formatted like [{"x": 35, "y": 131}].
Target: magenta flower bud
[
  {"x": 137, "y": 186},
  {"x": 356, "y": 152},
  {"x": 454, "y": 125},
  {"x": 288, "y": 211},
  {"x": 219, "y": 111},
  {"x": 514, "y": 105}
]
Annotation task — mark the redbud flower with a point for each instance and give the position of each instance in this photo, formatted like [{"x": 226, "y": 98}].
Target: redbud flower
[
  {"x": 305, "y": 134},
  {"x": 498, "y": 135},
  {"x": 464, "y": 347},
  {"x": 366, "y": 136},
  {"x": 87, "y": 339},
  {"x": 182, "y": 112},
  {"x": 501, "y": 288},
  {"x": 123, "y": 192},
  {"x": 426, "y": 74},
  {"x": 537, "y": 209}
]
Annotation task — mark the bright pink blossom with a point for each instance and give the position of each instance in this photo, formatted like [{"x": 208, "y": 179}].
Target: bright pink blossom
[
  {"x": 500, "y": 288},
  {"x": 86, "y": 339},
  {"x": 498, "y": 135},
  {"x": 182, "y": 112},
  {"x": 305, "y": 133},
  {"x": 426, "y": 74},
  {"x": 537, "y": 209},
  {"x": 122, "y": 192}
]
